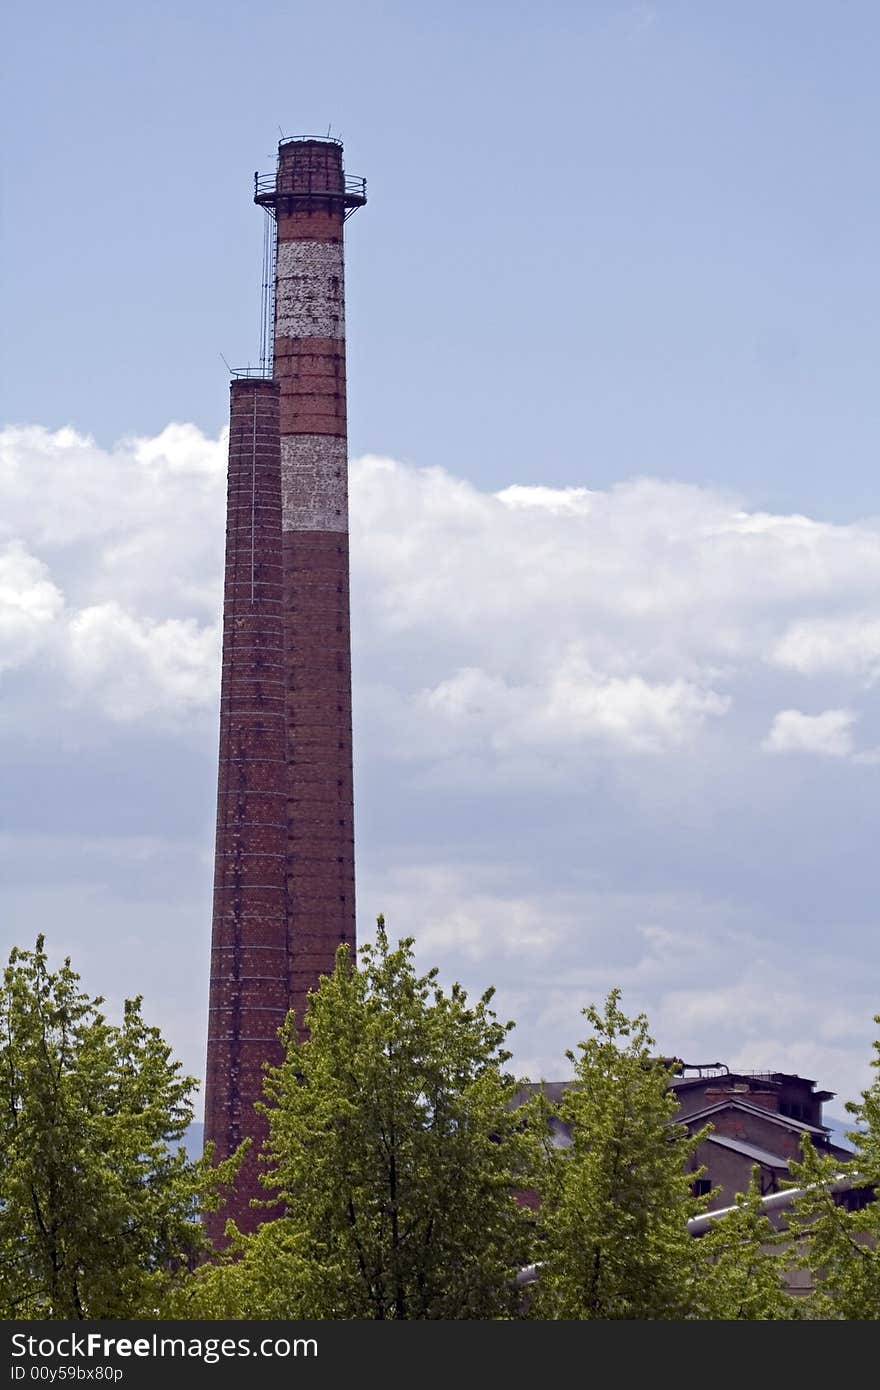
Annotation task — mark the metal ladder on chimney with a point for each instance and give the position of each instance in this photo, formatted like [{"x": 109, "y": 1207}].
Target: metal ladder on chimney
[{"x": 267, "y": 303}]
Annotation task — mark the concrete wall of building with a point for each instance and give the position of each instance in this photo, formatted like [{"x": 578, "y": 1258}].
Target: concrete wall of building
[
  {"x": 755, "y": 1129},
  {"x": 730, "y": 1173}
]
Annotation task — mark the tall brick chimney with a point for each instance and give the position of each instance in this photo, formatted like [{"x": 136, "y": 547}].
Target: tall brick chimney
[
  {"x": 284, "y": 865},
  {"x": 311, "y": 204}
]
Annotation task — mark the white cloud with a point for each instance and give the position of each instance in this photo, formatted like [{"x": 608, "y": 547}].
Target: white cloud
[
  {"x": 141, "y": 523},
  {"x": 848, "y": 645},
  {"x": 568, "y": 685},
  {"x": 110, "y": 581},
  {"x": 140, "y": 668},
  {"x": 715, "y": 979},
  {"x": 571, "y": 500},
  {"x": 537, "y": 621},
  {"x": 647, "y": 575},
  {"x": 829, "y": 733},
  {"x": 474, "y": 913},
  {"x": 29, "y": 604},
  {"x": 572, "y": 706}
]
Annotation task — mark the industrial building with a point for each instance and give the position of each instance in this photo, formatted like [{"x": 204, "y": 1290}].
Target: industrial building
[{"x": 757, "y": 1119}]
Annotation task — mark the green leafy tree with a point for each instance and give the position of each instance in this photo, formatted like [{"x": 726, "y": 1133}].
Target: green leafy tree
[
  {"x": 615, "y": 1204},
  {"x": 741, "y": 1264},
  {"x": 396, "y": 1152},
  {"x": 839, "y": 1232},
  {"x": 98, "y": 1201},
  {"x": 272, "y": 1274}
]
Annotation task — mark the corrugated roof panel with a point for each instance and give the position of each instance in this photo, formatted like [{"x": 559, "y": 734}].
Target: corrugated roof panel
[{"x": 752, "y": 1151}]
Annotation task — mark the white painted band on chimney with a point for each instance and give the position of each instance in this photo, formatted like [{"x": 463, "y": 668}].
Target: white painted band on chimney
[
  {"x": 309, "y": 290},
  {"x": 314, "y": 483}
]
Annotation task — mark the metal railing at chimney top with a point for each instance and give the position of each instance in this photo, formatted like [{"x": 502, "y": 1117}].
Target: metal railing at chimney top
[{"x": 268, "y": 183}]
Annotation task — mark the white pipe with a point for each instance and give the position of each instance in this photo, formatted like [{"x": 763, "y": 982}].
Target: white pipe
[{"x": 774, "y": 1202}]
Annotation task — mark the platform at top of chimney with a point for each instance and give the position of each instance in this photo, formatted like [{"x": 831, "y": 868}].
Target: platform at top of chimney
[{"x": 309, "y": 174}]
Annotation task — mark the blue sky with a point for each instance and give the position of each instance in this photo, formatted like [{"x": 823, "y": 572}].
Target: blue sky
[
  {"x": 626, "y": 734},
  {"x": 642, "y": 234}
]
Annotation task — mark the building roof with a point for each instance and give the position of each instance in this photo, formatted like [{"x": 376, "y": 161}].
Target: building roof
[
  {"x": 552, "y": 1090},
  {"x": 772, "y": 1080},
  {"x": 752, "y": 1151},
  {"x": 736, "y": 1102}
]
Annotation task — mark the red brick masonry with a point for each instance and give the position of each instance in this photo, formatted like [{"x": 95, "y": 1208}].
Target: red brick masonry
[
  {"x": 249, "y": 950},
  {"x": 284, "y": 872}
]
